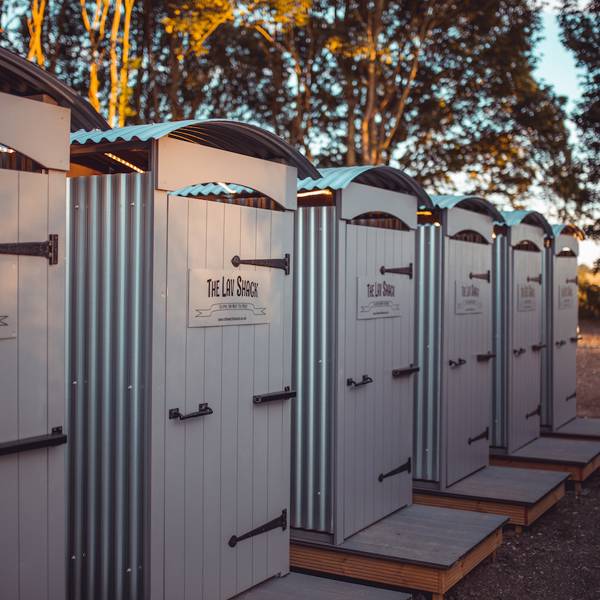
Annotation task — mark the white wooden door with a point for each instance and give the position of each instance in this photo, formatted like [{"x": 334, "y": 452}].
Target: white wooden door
[
  {"x": 32, "y": 391},
  {"x": 226, "y": 473},
  {"x": 467, "y": 362},
  {"x": 564, "y": 351},
  {"x": 525, "y": 353},
  {"x": 379, "y": 327}
]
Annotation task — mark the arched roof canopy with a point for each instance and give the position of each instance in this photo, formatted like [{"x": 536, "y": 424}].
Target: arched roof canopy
[
  {"x": 230, "y": 136},
  {"x": 472, "y": 203},
  {"x": 568, "y": 229},
  {"x": 527, "y": 217},
  {"x": 378, "y": 176},
  {"x": 21, "y": 77}
]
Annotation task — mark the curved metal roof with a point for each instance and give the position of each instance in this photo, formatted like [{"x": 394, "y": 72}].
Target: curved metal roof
[
  {"x": 568, "y": 229},
  {"x": 527, "y": 217},
  {"x": 218, "y": 133},
  {"x": 21, "y": 77},
  {"x": 474, "y": 203},
  {"x": 379, "y": 176},
  {"x": 214, "y": 189}
]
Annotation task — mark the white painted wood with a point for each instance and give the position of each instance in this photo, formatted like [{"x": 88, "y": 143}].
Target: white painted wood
[
  {"x": 377, "y": 422},
  {"x": 357, "y": 199},
  {"x": 46, "y": 137},
  {"x": 525, "y": 370},
  {"x": 467, "y": 389},
  {"x": 460, "y": 219},
  {"x": 181, "y": 164}
]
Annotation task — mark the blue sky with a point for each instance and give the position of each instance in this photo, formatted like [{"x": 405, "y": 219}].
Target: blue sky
[{"x": 557, "y": 67}]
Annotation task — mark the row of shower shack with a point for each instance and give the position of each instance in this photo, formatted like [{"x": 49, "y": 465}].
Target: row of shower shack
[{"x": 219, "y": 363}]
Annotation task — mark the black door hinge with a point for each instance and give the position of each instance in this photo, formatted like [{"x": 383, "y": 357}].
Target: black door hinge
[
  {"x": 365, "y": 379},
  {"x": 396, "y": 373},
  {"x": 56, "y": 438},
  {"x": 484, "y": 435},
  {"x": 407, "y": 466},
  {"x": 398, "y": 270},
  {"x": 538, "y": 347},
  {"x": 487, "y": 276},
  {"x": 573, "y": 395},
  {"x": 272, "y": 396},
  {"x": 485, "y": 357},
  {"x": 571, "y": 280},
  {"x": 203, "y": 410},
  {"x": 537, "y": 279},
  {"x": 271, "y": 263},
  {"x": 560, "y": 343},
  {"x": 280, "y": 521},
  {"x": 47, "y": 249},
  {"x": 575, "y": 339},
  {"x": 537, "y": 411}
]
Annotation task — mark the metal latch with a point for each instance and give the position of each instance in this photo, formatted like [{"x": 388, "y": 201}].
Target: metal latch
[
  {"x": 56, "y": 438},
  {"x": 271, "y": 263},
  {"x": 203, "y": 410},
  {"x": 484, "y": 435},
  {"x": 407, "y": 466},
  {"x": 537, "y": 411},
  {"x": 457, "y": 363},
  {"x": 398, "y": 270},
  {"x": 396, "y": 373},
  {"x": 280, "y": 521},
  {"x": 537, "y": 279},
  {"x": 485, "y": 357},
  {"x": 47, "y": 249},
  {"x": 273, "y": 396},
  {"x": 365, "y": 379},
  {"x": 484, "y": 276}
]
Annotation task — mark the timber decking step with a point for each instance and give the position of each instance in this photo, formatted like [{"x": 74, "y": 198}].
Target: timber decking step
[
  {"x": 580, "y": 458},
  {"x": 523, "y": 495},
  {"x": 297, "y": 586},
  {"x": 418, "y": 548},
  {"x": 582, "y": 428}
]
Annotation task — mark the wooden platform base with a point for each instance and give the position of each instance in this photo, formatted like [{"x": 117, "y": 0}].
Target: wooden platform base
[
  {"x": 579, "y": 458},
  {"x": 297, "y": 586},
  {"x": 523, "y": 495},
  {"x": 417, "y": 548},
  {"x": 580, "y": 428}
]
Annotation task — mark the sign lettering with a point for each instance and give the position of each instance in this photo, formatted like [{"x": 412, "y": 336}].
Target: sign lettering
[
  {"x": 526, "y": 297},
  {"x": 376, "y": 298},
  {"x": 467, "y": 298},
  {"x": 218, "y": 298},
  {"x": 566, "y": 297}
]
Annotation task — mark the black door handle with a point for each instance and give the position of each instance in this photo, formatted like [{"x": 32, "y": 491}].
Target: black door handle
[
  {"x": 485, "y": 357},
  {"x": 519, "y": 351},
  {"x": 203, "y": 410},
  {"x": 485, "y": 276},
  {"x": 575, "y": 339},
  {"x": 273, "y": 396},
  {"x": 365, "y": 379},
  {"x": 537, "y": 411},
  {"x": 484, "y": 435},
  {"x": 573, "y": 395},
  {"x": 538, "y": 347},
  {"x": 560, "y": 343},
  {"x": 396, "y": 373},
  {"x": 457, "y": 363},
  {"x": 407, "y": 466},
  {"x": 271, "y": 263},
  {"x": 537, "y": 279},
  {"x": 56, "y": 438},
  {"x": 572, "y": 280}
]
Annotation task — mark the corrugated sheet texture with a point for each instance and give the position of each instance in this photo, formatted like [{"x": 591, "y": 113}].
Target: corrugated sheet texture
[
  {"x": 530, "y": 217},
  {"x": 426, "y": 453},
  {"x": 501, "y": 299},
  {"x": 547, "y": 330},
  {"x": 314, "y": 368},
  {"x": 474, "y": 203},
  {"x": 378, "y": 176},
  {"x": 109, "y": 287}
]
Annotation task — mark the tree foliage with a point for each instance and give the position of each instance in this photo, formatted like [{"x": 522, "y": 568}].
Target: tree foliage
[{"x": 437, "y": 86}]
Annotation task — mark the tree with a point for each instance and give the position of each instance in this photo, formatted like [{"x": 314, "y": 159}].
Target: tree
[{"x": 581, "y": 34}]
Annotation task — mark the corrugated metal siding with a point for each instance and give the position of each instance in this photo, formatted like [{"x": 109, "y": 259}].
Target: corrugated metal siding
[
  {"x": 110, "y": 224},
  {"x": 501, "y": 287},
  {"x": 547, "y": 330},
  {"x": 426, "y": 453},
  {"x": 314, "y": 368}
]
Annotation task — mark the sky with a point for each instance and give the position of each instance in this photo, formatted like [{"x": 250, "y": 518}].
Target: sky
[{"x": 557, "y": 67}]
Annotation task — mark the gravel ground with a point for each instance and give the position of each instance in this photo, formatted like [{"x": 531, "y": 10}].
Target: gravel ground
[{"x": 559, "y": 557}]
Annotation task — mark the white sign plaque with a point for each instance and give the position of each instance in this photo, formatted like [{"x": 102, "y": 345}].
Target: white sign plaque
[
  {"x": 217, "y": 298},
  {"x": 525, "y": 297},
  {"x": 566, "y": 296},
  {"x": 467, "y": 298},
  {"x": 376, "y": 298}
]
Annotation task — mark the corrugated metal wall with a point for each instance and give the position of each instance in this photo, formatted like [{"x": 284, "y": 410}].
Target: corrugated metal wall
[
  {"x": 501, "y": 296},
  {"x": 426, "y": 453},
  {"x": 314, "y": 368},
  {"x": 110, "y": 225}
]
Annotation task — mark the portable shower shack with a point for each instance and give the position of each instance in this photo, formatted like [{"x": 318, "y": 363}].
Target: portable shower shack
[
  {"x": 455, "y": 339},
  {"x": 457, "y": 354},
  {"x": 519, "y": 328},
  {"x": 354, "y": 367},
  {"x": 559, "y": 403},
  {"x": 522, "y": 337},
  {"x": 180, "y": 360},
  {"x": 34, "y": 159}
]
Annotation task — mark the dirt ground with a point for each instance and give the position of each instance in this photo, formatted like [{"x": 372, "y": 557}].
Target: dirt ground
[{"x": 559, "y": 557}]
